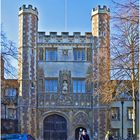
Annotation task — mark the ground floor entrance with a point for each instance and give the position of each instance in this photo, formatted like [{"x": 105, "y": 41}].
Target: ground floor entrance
[{"x": 55, "y": 128}]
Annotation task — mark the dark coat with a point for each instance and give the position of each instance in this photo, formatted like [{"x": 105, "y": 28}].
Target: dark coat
[
  {"x": 84, "y": 137},
  {"x": 110, "y": 137}
]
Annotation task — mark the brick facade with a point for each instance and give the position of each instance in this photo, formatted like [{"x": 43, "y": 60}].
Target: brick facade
[{"x": 35, "y": 104}]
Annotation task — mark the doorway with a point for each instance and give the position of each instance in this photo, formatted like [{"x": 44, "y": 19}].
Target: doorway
[{"x": 55, "y": 128}]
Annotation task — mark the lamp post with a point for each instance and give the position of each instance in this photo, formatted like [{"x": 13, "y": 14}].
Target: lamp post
[
  {"x": 122, "y": 99},
  {"x": 122, "y": 102}
]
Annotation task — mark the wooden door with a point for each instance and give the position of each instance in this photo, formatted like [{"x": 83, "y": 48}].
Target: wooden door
[{"x": 55, "y": 128}]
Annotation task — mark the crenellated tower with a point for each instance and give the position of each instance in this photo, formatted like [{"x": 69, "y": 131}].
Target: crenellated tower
[
  {"x": 101, "y": 64},
  {"x": 28, "y": 27},
  {"x": 101, "y": 32}
]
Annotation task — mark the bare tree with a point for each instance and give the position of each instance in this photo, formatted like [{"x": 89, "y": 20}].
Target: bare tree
[
  {"x": 9, "y": 55},
  {"x": 124, "y": 55},
  {"x": 125, "y": 47}
]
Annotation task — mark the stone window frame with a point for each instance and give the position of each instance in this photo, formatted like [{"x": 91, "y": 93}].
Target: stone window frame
[
  {"x": 78, "y": 79},
  {"x": 128, "y": 117},
  {"x": 51, "y": 92},
  {"x": 117, "y": 115},
  {"x": 81, "y": 55},
  {"x": 55, "y": 58}
]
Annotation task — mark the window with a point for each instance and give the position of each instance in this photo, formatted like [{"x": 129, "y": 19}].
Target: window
[
  {"x": 78, "y": 86},
  {"x": 51, "y": 85},
  {"x": 130, "y": 132},
  {"x": 115, "y": 115},
  {"x": 115, "y": 133},
  {"x": 79, "y": 54},
  {"x": 11, "y": 113},
  {"x": 51, "y": 54},
  {"x": 11, "y": 92},
  {"x": 130, "y": 113}
]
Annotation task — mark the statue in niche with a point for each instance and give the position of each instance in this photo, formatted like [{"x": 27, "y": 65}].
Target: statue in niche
[{"x": 65, "y": 87}]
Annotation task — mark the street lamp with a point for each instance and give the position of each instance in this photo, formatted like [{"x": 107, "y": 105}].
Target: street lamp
[
  {"x": 122, "y": 102},
  {"x": 122, "y": 99}
]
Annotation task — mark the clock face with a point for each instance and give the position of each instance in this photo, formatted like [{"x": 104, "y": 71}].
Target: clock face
[{"x": 65, "y": 52}]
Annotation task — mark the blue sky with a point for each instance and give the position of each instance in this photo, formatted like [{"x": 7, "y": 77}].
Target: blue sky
[{"x": 51, "y": 15}]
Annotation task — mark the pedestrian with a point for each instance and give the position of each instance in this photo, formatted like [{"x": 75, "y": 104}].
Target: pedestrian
[
  {"x": 84, "y": 135},
  {"x": 107, "y": 136},
  {"x": 110, "y": 137}
]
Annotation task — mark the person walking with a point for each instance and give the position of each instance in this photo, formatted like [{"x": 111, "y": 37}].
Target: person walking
[
  {"x": 84, "y": 135},
  {"x": 108, "y": 136}
]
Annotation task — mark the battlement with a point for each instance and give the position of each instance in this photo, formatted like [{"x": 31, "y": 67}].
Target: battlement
[
  {"x": 28, "y": 9},
  {"x": 66, "y": 34},
  {"x": 100, "y": 9}
]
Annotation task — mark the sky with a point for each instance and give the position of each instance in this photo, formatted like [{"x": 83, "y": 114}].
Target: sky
[{"x": 52, "y": 15}]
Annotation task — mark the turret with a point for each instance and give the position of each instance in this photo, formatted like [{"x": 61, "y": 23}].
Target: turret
[
  {"x": 100, "y": 21},
  {"x": 28, "y": 28},
  {"x": 101, "y": 31}
]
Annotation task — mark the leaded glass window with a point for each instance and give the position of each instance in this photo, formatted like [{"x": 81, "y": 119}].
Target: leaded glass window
[
  {"x": 78, "y": 86},
  {"x": 51, "y": 85},
  {"x": 79, "y": 54},
  {"x": 51, "y": 54}
]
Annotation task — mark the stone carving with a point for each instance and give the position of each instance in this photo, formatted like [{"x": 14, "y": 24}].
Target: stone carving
[
  {"x": 65, "y": 52},
  {"x": 64, "y": 100},
  {"x": 65, "y": 82},
  {"x": 65, "y": 87},
  {"x": 64, "y": 97},
  {"x": 80, "y": 119}
]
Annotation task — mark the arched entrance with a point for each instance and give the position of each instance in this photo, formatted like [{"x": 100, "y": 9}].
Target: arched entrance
[
  {"x": 55, "y": 128},
  {"x": 78, "y": 132}
]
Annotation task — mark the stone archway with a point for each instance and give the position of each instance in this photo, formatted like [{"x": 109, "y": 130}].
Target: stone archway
[
  {"x": 78, "y": 132},
  {"x": 80, "y": 120},
  {"x": 55, "y": 128}
]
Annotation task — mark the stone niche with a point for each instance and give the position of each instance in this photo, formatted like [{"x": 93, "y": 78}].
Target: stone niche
[{"x": 65, "y": 82}]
